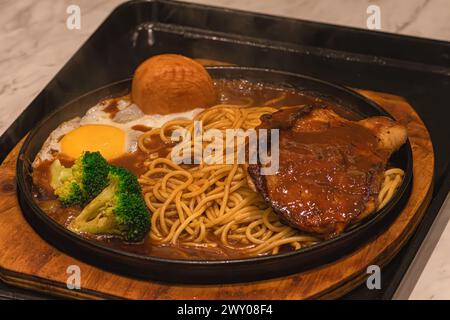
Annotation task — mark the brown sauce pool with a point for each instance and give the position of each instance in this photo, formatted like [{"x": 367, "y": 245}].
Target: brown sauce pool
[{"x": 230, "y": 92}]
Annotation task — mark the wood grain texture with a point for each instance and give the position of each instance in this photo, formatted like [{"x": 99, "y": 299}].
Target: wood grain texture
[{"x": 28, "y": 261}]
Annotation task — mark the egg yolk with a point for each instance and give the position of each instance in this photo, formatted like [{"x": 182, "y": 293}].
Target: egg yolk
[{"x": 108, "y": 140}]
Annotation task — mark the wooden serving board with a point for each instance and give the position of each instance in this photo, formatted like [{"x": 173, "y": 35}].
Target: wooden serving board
[{"x": 26, "y": 260}]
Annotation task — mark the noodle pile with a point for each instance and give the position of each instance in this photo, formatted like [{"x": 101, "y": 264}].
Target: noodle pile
[{"x": 205, "y": 205}]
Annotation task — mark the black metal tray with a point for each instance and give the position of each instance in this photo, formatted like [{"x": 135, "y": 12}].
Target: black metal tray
[
  {"x": 211, "y": 271},
  {"x": 417, "y": 69}
]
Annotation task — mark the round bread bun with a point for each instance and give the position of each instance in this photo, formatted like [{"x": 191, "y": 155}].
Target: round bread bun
[{"x": 170, "y": 83}]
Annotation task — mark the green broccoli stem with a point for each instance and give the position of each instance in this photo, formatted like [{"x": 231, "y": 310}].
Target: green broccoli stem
[
  {"x": 102, "y": 224},
  {"x": 88, "y": 219}
]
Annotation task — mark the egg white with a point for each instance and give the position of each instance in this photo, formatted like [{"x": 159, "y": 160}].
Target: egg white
[{"x": 128, "y": 116}]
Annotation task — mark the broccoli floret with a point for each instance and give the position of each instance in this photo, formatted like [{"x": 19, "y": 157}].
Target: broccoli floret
[
  {"x": 125, "y": 180},
  {"x": 65, "y": 187},
  {"x": 91, "y": 171},
  {"x": 118, "y": 210},
  {"x": 82, "y": 182}
]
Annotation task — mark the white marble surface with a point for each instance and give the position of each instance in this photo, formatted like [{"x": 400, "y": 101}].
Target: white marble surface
[{"x": 35, "y": 44}]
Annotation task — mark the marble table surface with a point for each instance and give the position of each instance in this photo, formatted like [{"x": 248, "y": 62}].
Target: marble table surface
[{"x": 35, "y": 44}]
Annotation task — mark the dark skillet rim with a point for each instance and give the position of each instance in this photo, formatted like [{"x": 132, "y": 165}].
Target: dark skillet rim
[{"x": 359, "y": 227}]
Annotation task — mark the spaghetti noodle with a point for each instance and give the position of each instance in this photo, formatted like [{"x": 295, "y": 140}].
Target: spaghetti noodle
[{"x": 205, "y": 205}]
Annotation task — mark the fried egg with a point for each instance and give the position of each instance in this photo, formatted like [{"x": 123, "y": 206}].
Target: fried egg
[{"x": 113, "y": 134}]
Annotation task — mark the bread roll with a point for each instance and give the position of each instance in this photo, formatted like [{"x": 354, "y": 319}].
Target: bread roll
[{"x": 172, "y": 83}]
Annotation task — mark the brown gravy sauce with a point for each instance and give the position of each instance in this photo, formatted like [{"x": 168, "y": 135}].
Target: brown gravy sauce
[
  {"x": 141, "y": 127},
  {"x": 111, "y": 108},
  {"x": 230, "y": 92},
  {"x": 337, "y": 165}
]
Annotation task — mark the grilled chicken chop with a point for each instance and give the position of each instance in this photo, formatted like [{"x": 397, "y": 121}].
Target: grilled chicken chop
[{"x": 330, "y": 168}]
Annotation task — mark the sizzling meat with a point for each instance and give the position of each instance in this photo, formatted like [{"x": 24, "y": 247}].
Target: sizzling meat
[{"x": 330, "y": 169}]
